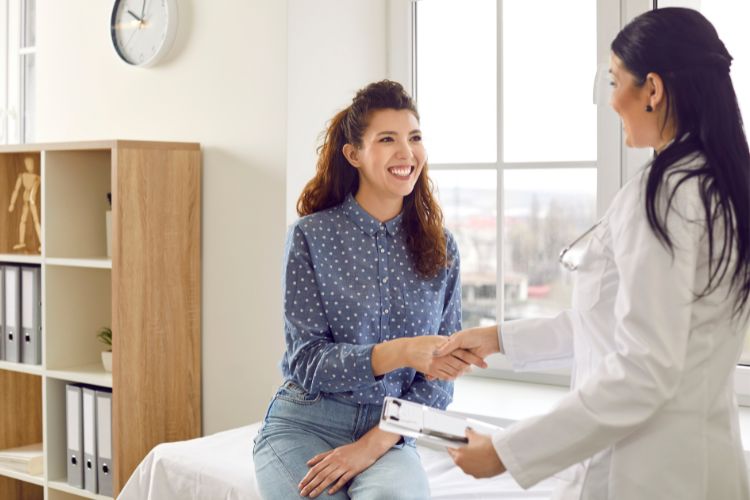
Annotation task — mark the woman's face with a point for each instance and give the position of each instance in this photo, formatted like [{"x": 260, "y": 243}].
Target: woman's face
[
  {"x": 391, "y": 156},
  {"x": 642, "y": 129}
]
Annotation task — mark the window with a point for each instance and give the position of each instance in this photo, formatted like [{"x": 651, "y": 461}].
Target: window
[
  {"x": 18, "y": 62},
  {"x": 510, "y": 124}
]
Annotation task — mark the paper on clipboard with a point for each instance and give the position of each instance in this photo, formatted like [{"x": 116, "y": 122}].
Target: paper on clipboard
[{"x": 429, "y": 424}]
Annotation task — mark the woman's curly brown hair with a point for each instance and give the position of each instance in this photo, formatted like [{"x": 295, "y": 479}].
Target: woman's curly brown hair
[{"x": 335, "y": 178}]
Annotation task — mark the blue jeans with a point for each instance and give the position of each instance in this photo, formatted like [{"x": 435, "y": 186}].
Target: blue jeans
[{"x": 299, "y": 425}]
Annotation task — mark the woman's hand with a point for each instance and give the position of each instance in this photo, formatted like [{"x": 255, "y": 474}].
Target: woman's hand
[
  {"x": 478, "y": 458},
  {"x": 334, "y": 468},
  {"x": 421, "y": 355},
  {"x": 480, "y": 341}
]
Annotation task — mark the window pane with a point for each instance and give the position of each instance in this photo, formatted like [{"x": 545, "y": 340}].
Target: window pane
[
  {"x": 545, "y": 210},
  {"x": 469, "y": 202},
  {"x": 29, "y": 97},
  {"x": 457, "y": 79},
  {"x": 29, "y": 23},
  {"x": 549, "y": 67}
]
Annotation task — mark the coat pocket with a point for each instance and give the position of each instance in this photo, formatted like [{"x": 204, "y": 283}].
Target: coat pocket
[{"x": 588, "y": 276}]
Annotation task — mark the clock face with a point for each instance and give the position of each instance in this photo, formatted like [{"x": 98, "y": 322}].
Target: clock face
[{"x": 143, "y": 30}]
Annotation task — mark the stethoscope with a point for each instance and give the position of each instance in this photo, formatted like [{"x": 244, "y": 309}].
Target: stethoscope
[{"x": 567, "y": 264}]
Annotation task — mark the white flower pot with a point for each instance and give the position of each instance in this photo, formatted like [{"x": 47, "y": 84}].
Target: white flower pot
[{"x": 107, "y": 360}]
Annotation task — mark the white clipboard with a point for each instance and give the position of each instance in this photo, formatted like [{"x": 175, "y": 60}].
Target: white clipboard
[{"x": 429, "y": 424}]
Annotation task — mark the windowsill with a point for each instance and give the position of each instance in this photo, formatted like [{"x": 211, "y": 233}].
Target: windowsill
[{"x": 515, "y": 400}]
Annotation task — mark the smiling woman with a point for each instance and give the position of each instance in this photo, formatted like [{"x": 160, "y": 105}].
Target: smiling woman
[{"x": 371, "y": 290}]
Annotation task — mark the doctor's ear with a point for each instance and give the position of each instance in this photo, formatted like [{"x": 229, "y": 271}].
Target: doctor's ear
[
  {"x": 351, "y": 154},
  {"x": 655, "y": 86}
]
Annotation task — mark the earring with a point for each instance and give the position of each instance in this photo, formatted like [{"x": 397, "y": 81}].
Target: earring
[{"x": 649, "y": 109}]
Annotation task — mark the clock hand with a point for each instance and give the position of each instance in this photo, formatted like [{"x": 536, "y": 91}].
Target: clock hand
[
  {"x": 129, "y": 39},
  {"x": 139, "y": 19}
]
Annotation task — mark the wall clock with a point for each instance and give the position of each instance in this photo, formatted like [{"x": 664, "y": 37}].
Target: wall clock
[{"x": 143, "y": 31}]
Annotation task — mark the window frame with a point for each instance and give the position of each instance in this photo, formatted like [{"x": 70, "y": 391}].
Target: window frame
[
  {"x": 611, "y": 150},
  {"x": 13, "y": 97}
]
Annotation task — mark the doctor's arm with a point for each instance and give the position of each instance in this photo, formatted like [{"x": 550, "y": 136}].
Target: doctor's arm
[{"x": 644, "y": 371}]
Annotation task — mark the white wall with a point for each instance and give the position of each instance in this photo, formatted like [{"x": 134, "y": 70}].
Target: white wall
[
  {"x": 225, "y": 86},
  {"x": 335, "y": 48}
]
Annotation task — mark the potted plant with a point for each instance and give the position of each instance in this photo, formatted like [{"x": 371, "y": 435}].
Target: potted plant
[{"x": 105, "y": 336}]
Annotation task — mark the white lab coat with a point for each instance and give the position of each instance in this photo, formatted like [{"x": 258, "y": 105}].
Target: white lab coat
[{"x": 652, "y": 413}]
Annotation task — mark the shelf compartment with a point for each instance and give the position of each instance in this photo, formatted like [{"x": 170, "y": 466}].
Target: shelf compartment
[
  {"x": 78, "y": 303},
  {"x": 11, "y": 166},
  {"x": 20, "y": 425},
  {"x": 12, "y": 487},
  {"x": 56, "y": 439},
  {"x": 76, "y": 185}
]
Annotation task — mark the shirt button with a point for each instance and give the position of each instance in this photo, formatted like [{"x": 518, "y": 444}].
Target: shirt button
[
  {"x": 381, "y": 249},
  {"x": 385, "y": 280},
  {"x": 385, "y": 311}
]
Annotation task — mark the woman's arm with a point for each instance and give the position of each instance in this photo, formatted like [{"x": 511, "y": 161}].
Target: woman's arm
[{"x": 318, "y": 363}]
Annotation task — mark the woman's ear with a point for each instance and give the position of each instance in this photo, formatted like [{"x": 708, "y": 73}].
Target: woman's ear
[
  {"x": 655, "y": 86},
  {"x": 350, "y": 153}
]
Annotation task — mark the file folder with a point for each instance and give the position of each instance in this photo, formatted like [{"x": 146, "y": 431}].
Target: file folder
[
  {"x": 74, "y": 415},
  {"x": 89, "y": 440},
  {"x": 105, "y": 467},
  {"x": 31, "y": 316},
  {"x": 2, "y": 313},
  {"x": 12, "y": 313}
]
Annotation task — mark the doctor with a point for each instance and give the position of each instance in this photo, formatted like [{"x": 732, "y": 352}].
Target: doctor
[{"x": 660, "y": 308}]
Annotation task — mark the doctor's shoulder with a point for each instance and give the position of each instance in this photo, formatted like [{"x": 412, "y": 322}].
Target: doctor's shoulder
[{"x": 679, "y": 193}]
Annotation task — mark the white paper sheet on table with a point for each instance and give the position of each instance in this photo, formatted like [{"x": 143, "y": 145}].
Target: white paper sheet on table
[{"x": 221, "y": 466}]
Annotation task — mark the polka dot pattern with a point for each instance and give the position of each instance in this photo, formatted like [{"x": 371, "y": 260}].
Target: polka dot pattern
[{"x": 349, "y": 284}]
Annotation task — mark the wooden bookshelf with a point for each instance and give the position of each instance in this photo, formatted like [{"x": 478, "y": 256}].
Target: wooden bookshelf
[{"x": 148, "y": 291}]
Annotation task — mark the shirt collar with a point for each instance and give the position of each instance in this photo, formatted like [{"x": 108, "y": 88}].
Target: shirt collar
[{"x": 367, "y": 222}]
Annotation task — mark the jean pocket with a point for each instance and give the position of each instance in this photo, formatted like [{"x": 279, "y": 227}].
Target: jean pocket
[{"x": 294, "y": 393}]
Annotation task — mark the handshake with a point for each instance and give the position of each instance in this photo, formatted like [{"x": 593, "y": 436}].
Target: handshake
[{"x": 438, "y": 357}]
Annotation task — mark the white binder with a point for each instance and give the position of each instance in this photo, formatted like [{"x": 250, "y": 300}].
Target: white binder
[
  {"x": 105, "y": 468},
  {"x": 429, "y": 424},
  {"x": 31, "y": 316},
  {"x": 12, "y": 313},
  {"x": 89, "y": 440},
  {"x": 2, "y": 313},
  {"x": 74, "y": 416}
]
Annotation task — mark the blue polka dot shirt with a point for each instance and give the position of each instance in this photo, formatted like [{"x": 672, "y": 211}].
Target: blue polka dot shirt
[{"x": 349, "y": 284}]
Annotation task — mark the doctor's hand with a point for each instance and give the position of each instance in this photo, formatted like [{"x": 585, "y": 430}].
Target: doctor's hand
[
  {"x": 481, "y": 342},
  {"x": 421, "y": 354},
  {"x": 478, "y": 458}
]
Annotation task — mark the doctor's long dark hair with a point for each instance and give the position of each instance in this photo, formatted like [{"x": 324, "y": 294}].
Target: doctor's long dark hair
[{"x": 683, "y": 48}]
